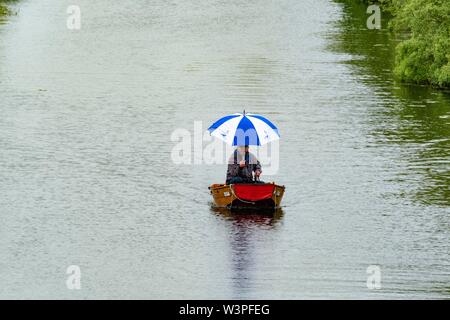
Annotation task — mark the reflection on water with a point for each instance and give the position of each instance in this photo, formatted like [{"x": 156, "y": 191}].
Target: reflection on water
[
  {"x": 245, "y": 228},
  {"x": 416, "y": 119},
  {"x": 422, "y": 130},
  {"x": 268, "y": 217}
]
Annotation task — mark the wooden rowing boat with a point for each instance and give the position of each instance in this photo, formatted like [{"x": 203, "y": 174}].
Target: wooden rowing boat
[{"x": 252, "y": 195}]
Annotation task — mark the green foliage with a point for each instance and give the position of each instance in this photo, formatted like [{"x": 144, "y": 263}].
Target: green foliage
[
  {"x": 423, "y": 54},
  {"x": 3, "y": 7}
]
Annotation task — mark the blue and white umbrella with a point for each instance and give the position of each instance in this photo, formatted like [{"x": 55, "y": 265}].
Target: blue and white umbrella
[{"x": 241, "y": 129}]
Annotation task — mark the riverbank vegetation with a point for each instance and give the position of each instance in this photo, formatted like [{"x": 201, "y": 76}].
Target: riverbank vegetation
[
  {"x": 4, "y": 8},
  {"x": 423, "y": 28}
]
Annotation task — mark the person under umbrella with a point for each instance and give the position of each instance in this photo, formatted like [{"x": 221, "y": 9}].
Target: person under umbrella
[
  {"x": 241, "y": 166},
  {"x": 242, "y": 130}
]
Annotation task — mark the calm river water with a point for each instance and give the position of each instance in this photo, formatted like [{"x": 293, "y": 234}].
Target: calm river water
[{"x": 86, "y": 176}]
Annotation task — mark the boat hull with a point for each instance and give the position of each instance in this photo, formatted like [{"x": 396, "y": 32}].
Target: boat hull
[{"x": 247, "y": 196}]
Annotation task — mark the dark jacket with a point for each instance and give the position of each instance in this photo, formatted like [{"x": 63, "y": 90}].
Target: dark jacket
[{"x": 234, "y": 170}]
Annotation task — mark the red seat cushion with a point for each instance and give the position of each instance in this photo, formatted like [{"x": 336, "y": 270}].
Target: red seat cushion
[{"x": 253, "y": 192}]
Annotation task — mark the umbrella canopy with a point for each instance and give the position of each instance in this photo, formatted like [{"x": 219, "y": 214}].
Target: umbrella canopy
[{"x": 241, "y": 129}]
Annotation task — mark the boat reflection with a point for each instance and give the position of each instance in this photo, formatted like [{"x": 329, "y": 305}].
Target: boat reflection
[
  {"x": 246, "y": 229},
  {"x": 256, "y": 216}
]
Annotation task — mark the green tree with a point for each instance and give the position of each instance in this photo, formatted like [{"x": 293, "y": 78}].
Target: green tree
[
  {"x": 425, "y": 56},
  {"x": 423, "y": 27}
]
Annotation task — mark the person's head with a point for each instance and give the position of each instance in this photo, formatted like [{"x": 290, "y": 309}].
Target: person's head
[{"x": 243, "y": 149}]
